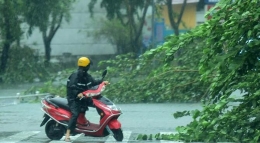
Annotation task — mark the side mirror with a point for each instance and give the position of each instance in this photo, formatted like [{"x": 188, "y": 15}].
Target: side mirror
[{"x": 104, "y": 73}]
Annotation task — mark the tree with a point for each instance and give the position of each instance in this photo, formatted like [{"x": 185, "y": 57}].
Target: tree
[
  {"x": 134, "y": 17},
  {"x": 116, "y": 33},
  {"x": 47, "y": 15},
  {"x": 9, "y": 26},
  {"x": 230, "y": 62}
]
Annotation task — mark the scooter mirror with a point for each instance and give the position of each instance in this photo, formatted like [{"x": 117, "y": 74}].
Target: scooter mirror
[{"x": 104, "y": 73}]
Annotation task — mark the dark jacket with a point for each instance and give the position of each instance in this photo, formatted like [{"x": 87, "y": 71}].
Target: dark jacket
[{"x": 78, "y": 83}]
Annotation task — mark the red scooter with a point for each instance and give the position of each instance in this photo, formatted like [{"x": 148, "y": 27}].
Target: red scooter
[{"x": 57, "y": 113}]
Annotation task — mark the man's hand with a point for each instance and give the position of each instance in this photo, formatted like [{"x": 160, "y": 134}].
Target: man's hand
[
  {"x": 80, "y": 95},
  {"x": 106, "y": 82}
]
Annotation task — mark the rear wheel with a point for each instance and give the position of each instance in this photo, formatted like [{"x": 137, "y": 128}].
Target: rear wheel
[
  {"x": 54, "y": 131},
  {"x": 118, "y": 134}
]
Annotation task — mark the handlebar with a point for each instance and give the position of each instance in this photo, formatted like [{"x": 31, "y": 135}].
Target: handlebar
[
  {"x": 95, "y": 91},
  {"x": 81, "y": 97}
]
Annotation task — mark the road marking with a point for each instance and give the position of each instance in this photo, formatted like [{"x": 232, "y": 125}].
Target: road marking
[
  {"x": 18, "y": 137},
  {"x": 72, "y": 138},
  {"x": 126, "y": 134}
]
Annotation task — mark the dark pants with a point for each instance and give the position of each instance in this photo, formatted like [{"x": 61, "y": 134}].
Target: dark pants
[
  {"x": 75, "y": 110},
  {"x": 77, "y": 107}
]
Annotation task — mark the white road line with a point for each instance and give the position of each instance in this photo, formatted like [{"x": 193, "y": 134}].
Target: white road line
[
  {"x": 126, "y": 134},
  {"x": 18, "y": 137},
  {"x": 72, "y": 138}
]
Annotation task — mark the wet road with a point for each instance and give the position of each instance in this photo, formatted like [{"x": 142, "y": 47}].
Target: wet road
[
  {"x": 20, "y": 122},
  {"x": 136, "y": 119},
  {"x": 140, "y": 118}
]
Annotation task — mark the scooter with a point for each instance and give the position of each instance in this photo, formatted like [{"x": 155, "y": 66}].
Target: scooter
[{"x": 57, "y": 115}]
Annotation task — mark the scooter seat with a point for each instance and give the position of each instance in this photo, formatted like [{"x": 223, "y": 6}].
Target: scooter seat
[{"x": 61, "y": 102}]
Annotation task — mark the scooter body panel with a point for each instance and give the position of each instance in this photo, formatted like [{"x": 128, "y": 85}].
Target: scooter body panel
[
  {"x": 91, "y": 130},
  {"x": 114, "y": 124},
  {"x": 56, "y": 113}
]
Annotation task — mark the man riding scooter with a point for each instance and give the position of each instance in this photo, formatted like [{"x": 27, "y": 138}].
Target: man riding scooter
[{"x": 78, "y": 82}]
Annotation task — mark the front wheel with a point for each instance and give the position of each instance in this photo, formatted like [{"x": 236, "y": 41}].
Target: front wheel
[
  {"x": 54, "y": 131},
  {"x": 118, "y": 134}
]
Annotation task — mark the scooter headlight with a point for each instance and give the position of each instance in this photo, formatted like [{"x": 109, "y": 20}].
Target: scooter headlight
[
  {"x": 103, "y": 88},
  {"x": 114, "y": 107}
]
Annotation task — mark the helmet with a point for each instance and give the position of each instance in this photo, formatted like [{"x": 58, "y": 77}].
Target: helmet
[{"x": 83, "y": 62}]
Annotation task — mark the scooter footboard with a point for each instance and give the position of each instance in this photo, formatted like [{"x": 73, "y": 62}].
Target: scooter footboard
[{"x": 114, "y": 124}]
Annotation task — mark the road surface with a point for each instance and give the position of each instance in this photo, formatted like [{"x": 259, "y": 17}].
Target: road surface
[{"x": 20, "y": 122}]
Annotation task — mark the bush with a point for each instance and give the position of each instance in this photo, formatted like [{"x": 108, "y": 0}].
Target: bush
[{"x": 25, "y": 66}]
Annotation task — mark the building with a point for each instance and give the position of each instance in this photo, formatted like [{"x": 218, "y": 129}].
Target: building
[
  {"x": 192, "y": 17},
  {"x": 162, "y": 26},
  {"x": 189, "y": 14}
]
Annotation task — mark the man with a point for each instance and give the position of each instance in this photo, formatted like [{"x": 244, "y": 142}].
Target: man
[{"x": 78, "y": 82}]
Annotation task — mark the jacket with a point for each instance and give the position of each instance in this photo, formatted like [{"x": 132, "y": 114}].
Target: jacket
[{"x": 78, "y": 83}]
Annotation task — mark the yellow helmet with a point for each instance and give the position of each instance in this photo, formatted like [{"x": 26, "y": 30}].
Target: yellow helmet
[{"x": 83, "y": 62}]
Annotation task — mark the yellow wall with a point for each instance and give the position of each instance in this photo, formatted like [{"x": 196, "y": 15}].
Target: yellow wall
[{"x": 189, "y": 15}]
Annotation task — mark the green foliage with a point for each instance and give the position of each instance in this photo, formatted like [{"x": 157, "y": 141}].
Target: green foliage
[
  {"x": 24, "y": 66},
  {"x": 49, "y": 87},
  {"x": 115, "y": 32},
  {"x": 156, "y": 137},
  {"x": 150, "y": 137},
  {"x": 131, "y": 14},
  {"x": 144, "y": 137},
  {"x": 149, "y": 78},
  {"x": 56, "y": 84},
  {"x": 230, "y": 62},
  {"x": 114, "y": 7},
  {"x": 10, "y": 23},
  {"x": 9, "y": 28},
  {"x": 139, "y": 137},
  {"x": 46, "y": 14},
  {"x": 152, "y": 79}
]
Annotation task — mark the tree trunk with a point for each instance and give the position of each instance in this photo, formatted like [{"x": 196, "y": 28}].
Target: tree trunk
[
  {"x": 4, "y": 57},
  {"x": 130, "y": 13},
  {"x": 7, "y": 37},
  {"x": 47, "y": 47},
  {"x": 139, "y": 32},
  {"x": 176, "y": 30},
  {"x": 47, "y": 52},
  {"x": 175, "y": 25},
  {"x": 136, "y": 29},
  {"x": 48, "y": 38}
]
